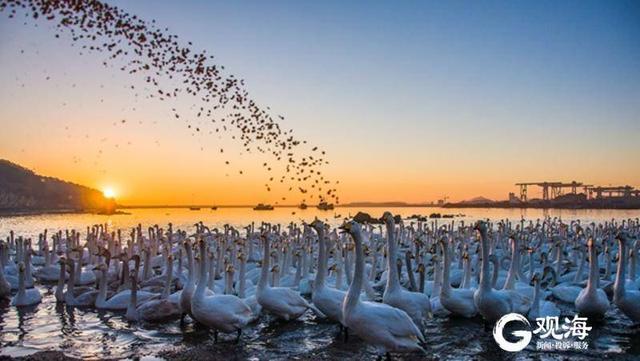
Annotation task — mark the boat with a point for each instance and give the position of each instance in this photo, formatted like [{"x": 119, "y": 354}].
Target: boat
[
  {"x": 263, "y": 207},
  {"x": 214, "y": 208},
  {"x": 194, "y": 208},
  {"x": 324, "y": 206},
  {"x": 302, "y": 206}
]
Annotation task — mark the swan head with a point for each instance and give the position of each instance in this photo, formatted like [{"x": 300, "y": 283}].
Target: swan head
[
  {"x": 481, "y": 226},
  {"x": 101, "y": 267},
  {"x": 388, "y": 219},
  {"x": 550, "y": 271},
  {"x": 623, "y": 237},
  {"x": 317, "y": 224},
  {"x": 351, "y": 227}
]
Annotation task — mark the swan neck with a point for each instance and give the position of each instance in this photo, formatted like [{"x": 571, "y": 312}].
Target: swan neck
[
  {"x": 536, "y": 296},
  {"x": 167, "y": 283},
  {"x": 622, "y": 272},
  {"x": 322, "y": 261},
  {"x": 264, "y": 271},
  {"x": 353, "y": 295},
  {"x": 446, "y": 285},
  {"x": 243, "y": 280},
  {"x": 485, "y": 282},
  {"x": 202, "y": 280},
  {"x": 72, "y": 276},
  {"x": 393, "y": 282},
  {"x": 594, "y": 276},
  {"x": 21, "y": 283}
]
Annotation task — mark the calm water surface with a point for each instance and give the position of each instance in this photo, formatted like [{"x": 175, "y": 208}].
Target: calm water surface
[{"x": 99, "y": 335}]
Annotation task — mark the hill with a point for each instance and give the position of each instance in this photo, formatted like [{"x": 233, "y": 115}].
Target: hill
[
  {"x": 477, "y": 200},
  {"x": 23, "y": 191}
]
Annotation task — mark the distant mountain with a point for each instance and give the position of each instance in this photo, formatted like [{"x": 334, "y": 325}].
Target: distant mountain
[
  {"x": 382, "y": 204},
  {"x": 477, "y": 200},
  {"x": 22, "y": 190}
]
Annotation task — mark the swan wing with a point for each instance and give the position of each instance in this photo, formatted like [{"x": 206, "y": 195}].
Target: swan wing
[{"x": 396, "y": 321}]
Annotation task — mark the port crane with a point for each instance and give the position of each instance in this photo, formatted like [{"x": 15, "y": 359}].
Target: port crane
[{"x": 551, "y": 190}]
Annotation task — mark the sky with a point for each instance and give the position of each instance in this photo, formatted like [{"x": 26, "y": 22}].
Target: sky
[{"x": 412, "y": 101}]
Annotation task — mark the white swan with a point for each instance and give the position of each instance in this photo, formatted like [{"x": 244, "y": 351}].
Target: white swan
[
  {"x": 540, "y": 307},
  {"x": 49, "y": 272},
  {"x": 385, "y": 327},
  {"x": 415, "y": 304},
  {"x": 119, "y": 301},
  {"x": 456, "y": 300},
  {"x": 327, "y": 299},
  {"x": 226, "y": 313},
  {"x": 493, "y": 304},
  {"x": 25, "y": 297},
  {"x": 187, "y": 291},
  {"x": 84, "y": 299},
  {"x": 5, "y": 286},
  {"x": 162, "y": 309},
  {"x": 251, "y": 300},
  {"x": 592, "y": 301},
  {"x": 626, "y": 300},
  {"x": 132, "y": 312},
  {"x": 283, "y": 302}
]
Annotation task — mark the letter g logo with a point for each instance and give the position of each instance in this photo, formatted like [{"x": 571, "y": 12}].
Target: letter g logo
[{"x": 525, "y": 335}]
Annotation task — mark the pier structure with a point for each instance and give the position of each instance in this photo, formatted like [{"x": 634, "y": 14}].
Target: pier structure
[{"x": 552, "y": 190}]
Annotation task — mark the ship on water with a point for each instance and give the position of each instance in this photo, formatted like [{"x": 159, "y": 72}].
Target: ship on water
[
  {"x": 303, "y": 206},
  {"x": 324, "y": 206},
  {"x": 263, "y": 207}
]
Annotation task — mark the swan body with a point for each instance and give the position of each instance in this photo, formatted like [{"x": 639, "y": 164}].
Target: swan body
[
  {"x": 84, "y": 299},
  {"x": 25, "y": 297},
  {"x": 415, "y": 304},
  {"x": 626, "y": 300},
  {"x": 327, "y": 299},
  {"x": 592, "y": 301},
  {"x": 385, "y": 327},
  {"x": 226, "y": 313},
  {"x": 457, "y": 301},
  {"x": 283, "y": 302},
  {"x": 162, "y": 309},
  {"x": 493, "y": 304},
  {"x": 540, "y": 307}
]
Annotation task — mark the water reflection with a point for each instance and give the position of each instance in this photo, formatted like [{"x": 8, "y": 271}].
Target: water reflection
[{"x": 102, "y": 334}]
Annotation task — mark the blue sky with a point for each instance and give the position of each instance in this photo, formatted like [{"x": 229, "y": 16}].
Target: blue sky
[{"x": 455, "y": 97}]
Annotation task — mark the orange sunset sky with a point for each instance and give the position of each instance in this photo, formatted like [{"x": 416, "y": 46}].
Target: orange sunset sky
[{"x": 410, "y": 105}]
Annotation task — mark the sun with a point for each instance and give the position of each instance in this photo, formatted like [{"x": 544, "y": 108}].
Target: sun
[{"x": 109, "y": 192}]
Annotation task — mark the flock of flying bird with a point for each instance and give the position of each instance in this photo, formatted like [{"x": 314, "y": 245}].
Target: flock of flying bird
[
  {"x": 171, "y": 69},
  {"x": 383, "y": 282}
]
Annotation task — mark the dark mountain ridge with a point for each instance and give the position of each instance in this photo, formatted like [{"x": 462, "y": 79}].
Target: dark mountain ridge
[{"x": 22, "y": 190}]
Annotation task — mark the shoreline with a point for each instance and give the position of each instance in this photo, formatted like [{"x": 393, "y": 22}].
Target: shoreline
[
  {"x": 37, "y": 212},
  {"x": 122, "y": 209}
]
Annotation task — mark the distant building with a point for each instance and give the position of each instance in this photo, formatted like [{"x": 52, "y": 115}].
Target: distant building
[{"x": 513, "y": 199}]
